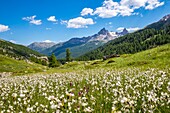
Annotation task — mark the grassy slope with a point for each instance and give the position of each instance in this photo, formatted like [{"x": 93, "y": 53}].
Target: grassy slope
[
  {"x": 158, "y": 57},
  {"x": 154, "y": 58},
  {"x": 18, "y": 67},
  {"x": 16, "y": 49}
]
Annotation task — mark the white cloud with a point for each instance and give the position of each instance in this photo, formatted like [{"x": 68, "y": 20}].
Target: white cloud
[
  {"x": 78, "y": 22},
  {"x": 111, "y": 9},
  {"x": 52, "y": 19},
  {"x": 48, "y": 28},
  {"x": 131, "y": 29},
  {"x": 32, "y": 20},
  {"x": 13, "y": 41},
  {"x": 47, "y": 41},
  {"x": 4, "y": 28},
  {"x": 103, "y": 12},
  {"x": 86, "y": 11},
  {"x": 152, "y": 4},
  {"x": 120, "y": 29},
  {"x": 36, "y": 22}
]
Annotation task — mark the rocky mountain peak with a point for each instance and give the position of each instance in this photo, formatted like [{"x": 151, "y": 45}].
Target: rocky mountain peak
[
  {"x": 124, "y": 32},
  {"x": 165, "y": 18},
  {"x": 103, "y": 32}
]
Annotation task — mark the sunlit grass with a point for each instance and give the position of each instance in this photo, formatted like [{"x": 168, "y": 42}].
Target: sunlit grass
[
  {"x": 130, "y": 83},
  {"x": 19, "y": 67}
]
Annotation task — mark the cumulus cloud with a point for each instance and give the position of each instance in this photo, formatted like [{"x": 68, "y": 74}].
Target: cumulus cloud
[
  {"x": 152, "y": 4},
  {"x": 4, "y": 28},
  {"x": 47, "y": 41},
  {"x": 52, "y": 19},
  {"x": 124, "y": 7},
  {"x": 86, "y": 11},
  {"x": 120, "y": 29},
  {"x": 13, "y": 41},
  {"x": 131, "y": 29},
  {"x": 78, "y": 22},
  {"x": 32, "y": 20}
]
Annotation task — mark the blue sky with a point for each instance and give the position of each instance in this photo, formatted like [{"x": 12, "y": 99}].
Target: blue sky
[{"x": 27, "y": 21}]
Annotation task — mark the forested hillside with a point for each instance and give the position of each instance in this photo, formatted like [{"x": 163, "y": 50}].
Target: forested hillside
[
  {"x": 131, "y": 43},
  {"x": 15, "y": 50}
]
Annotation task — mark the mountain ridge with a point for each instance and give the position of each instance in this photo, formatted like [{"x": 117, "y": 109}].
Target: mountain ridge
[
  {"x": 16, "y": 51},
  {"x": 83, "y": 44},
  {"x": 40, "y": 46},
  {"x": 162, "y": 23},
  {"x": 151, "y": 36}
]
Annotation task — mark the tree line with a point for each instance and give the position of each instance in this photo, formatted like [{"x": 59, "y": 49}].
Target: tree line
[
  {"x": 131, "y": 43},
  {"x": 53, "y": 62}
]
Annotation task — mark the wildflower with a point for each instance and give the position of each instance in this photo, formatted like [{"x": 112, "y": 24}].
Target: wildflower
[
  {"x": 29, "y": 109},
  {"x": 53, "y": 106},
  {"x": 22, "y": 95},
  {"x": 88, "y": 109},
  {"x": 168, "y": 87},
  {"x": 113, "y": 108},
  {"x": 84, "y": 104},
  {"x": 124, "y": 99},
  {"x": 14, "y": 95}
]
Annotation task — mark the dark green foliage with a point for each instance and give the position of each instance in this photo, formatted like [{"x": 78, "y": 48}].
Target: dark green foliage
[
  {"x": 20, "y": 52},
  {"x": 96, "y": 62},
  {"x": 69, "y": 44},
  {"x": 38, "y": 60},
  {"x": 68, "y": 55},
  {"x": 16, "y": 51},
  {"x": 62, "y": 61},
  {"x": 160, "y": 24},
  {"x": 79, "y": 50},
  {"x": 110, "y": 61},
  {"x": 131, "y": 43},
  {"x": 53, "y": 61}
]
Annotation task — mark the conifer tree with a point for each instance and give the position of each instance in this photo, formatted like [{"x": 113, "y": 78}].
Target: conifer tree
[
  {"x": 53, "y": 61},
  {"x": 68, "y": 55}
]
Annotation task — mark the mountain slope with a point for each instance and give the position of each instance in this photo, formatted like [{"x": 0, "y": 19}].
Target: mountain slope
[
  {"x": 162, "y": 23},
  {"x": 158, "y": 57},
  {"x": 17, "y": 67},
  {"x": 82, "y": 49},
  {"x": 40, "y": 46},
  {"x": 79, "y": 46},
  {"x": 16, "y": 50},
  {"x": 132, "y": 43},
  {"x": 50, "y": 50}
]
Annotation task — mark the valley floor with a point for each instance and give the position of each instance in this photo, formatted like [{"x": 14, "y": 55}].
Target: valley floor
[{"x": 131, "y": 83}]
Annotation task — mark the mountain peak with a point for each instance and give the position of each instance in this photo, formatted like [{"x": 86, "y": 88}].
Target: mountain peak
[
  {"x": 125, "y": 31},
  {"x": 165, "y": 18},
  {"x": 103, "y": 31},
  {"x": 39, "y": 46}
]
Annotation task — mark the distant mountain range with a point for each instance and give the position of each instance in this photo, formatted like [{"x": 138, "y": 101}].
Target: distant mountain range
[
  {"x": 151, "y": 36},
  {"x": 40, "y": 46},
  {"x": 98, "y": 45},
  {"x": 78, "y": 46}
]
